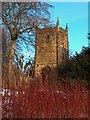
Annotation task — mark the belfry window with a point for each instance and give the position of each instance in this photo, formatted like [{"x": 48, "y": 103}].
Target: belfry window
[
  {"x": 47, "y": 38},
  {"x": 63, "y": 51}
]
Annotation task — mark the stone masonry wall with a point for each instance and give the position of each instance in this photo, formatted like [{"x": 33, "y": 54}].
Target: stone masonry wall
[{"x": 49, "y": 44}]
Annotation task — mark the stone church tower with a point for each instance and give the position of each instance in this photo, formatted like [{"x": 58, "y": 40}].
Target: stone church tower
[{"x": 51, "y": 47}]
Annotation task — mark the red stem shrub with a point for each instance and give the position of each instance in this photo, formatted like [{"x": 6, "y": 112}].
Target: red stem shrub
[{"x": 38, "y": 99}]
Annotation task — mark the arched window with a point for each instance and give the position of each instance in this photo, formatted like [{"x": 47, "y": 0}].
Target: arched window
[
  {"x": 47, "y": 38},
  {"x": 63, "y": 51}
]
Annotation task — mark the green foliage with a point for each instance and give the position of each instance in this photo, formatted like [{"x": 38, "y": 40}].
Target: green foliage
[{"x": 77, "y": 66}]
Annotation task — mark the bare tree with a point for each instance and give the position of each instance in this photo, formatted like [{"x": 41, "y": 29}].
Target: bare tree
[
  {"x": 4, "y": 48},
  {"x": 19, "y": 22}
]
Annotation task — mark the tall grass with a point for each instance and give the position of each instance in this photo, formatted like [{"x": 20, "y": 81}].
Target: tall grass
[{"x": 38, "y": 99}]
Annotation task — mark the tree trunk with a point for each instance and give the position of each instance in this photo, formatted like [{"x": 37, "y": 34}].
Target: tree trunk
[{"x": 11, "y": 62}]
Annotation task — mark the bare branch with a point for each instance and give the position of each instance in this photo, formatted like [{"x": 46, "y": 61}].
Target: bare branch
[
  {"x": 20, "y": 20},
  {"x": 30, "y": 28}
]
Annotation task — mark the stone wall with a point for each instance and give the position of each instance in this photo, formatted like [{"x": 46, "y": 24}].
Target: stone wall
[{"x": 49, "y": 44}]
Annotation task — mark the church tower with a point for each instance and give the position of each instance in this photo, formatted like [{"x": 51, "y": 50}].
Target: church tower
[{"x": 51, "y": 47}]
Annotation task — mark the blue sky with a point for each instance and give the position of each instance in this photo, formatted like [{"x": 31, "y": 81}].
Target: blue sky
[{"x": 76, "y": 15}]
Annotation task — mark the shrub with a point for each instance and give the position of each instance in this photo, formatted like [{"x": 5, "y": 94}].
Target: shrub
[
  {"x": 37, "y": 99},
  {"x": 77, "y": 67}
]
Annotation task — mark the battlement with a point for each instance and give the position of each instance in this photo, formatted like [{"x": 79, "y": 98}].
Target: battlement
[{"x": 50, "y": 30}]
